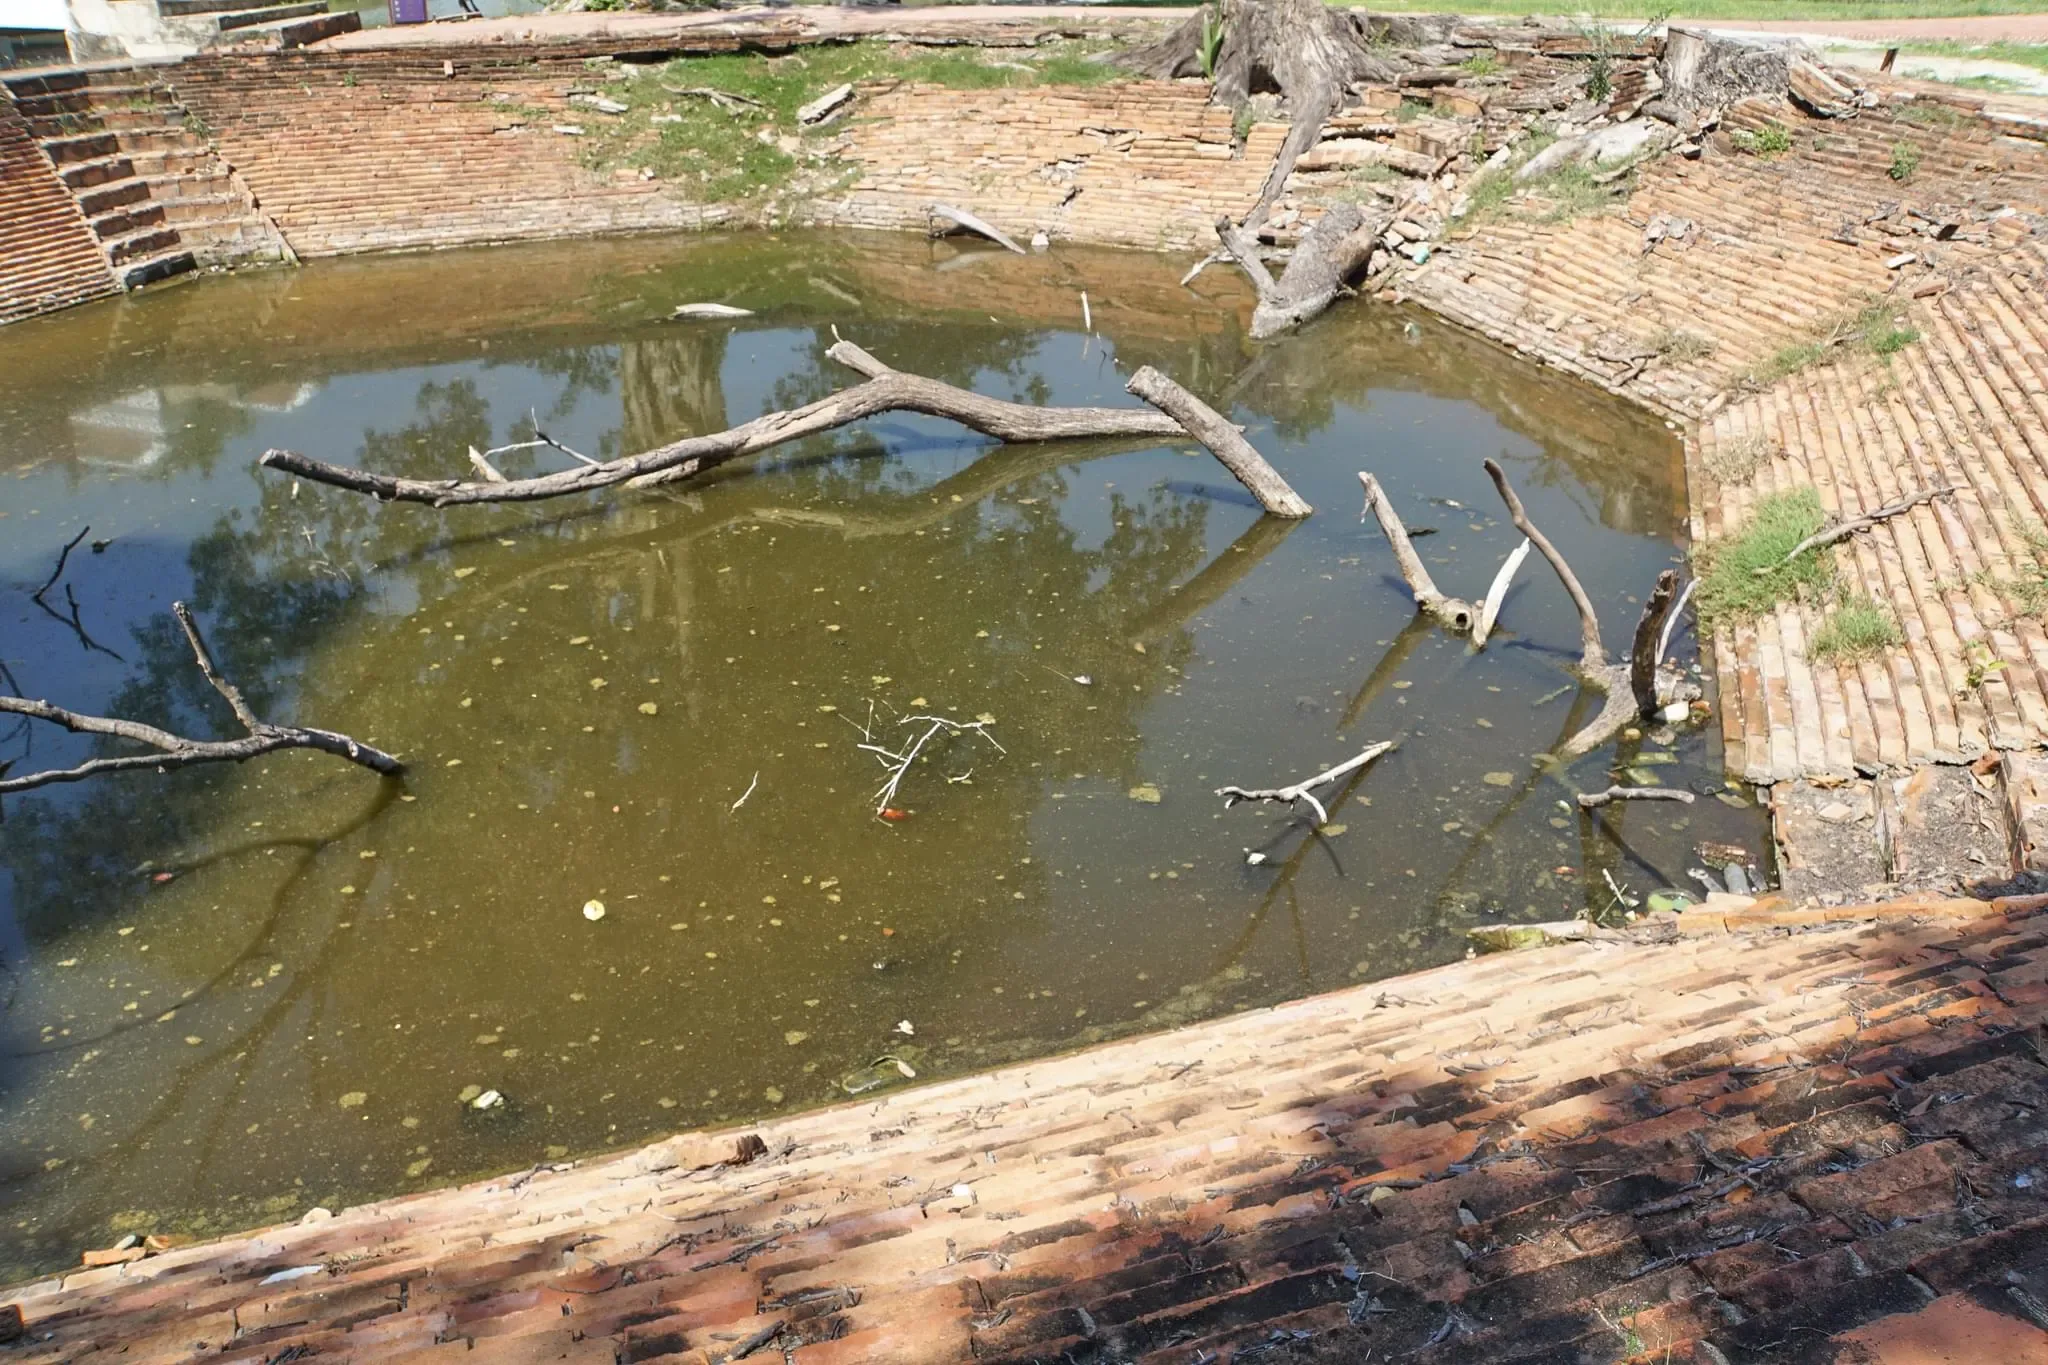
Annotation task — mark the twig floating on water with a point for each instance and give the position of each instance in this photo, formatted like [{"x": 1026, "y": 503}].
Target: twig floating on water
[
  {"x": 747, "y": 793},
  {"x": 1595, "y": 800},
  {"x": 62, "y": 555},
  {"x": 710, "y": 310},
  {"x": 1301, "y": 791}
]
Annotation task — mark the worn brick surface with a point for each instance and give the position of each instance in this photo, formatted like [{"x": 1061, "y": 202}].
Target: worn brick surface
[{"x": 1206, "y": 1230}]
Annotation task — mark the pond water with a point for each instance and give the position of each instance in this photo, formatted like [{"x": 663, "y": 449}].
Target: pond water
[{"x": 234, "y": 993}]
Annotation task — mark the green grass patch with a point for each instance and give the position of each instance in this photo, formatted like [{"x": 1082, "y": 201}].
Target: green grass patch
[
  {"x": 2019, "y": 54},
  {"x": 1732, "y": 589},
  {"x": 1485, "y": 64},
  {"x": 1905, "y": 161},
  {"x": 1855, "y": 628},
  {"x": 2027, "y": 589},
  {"x": 1557, "y": 197},
  {"x": 717, "y": 154},
  {"x": 1868, "y": 329}
]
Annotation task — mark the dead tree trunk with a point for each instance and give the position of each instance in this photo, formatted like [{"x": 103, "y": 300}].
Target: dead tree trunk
[
  {"x": 1305, "y": 50},
  {"x": 1327, "y": 258}
]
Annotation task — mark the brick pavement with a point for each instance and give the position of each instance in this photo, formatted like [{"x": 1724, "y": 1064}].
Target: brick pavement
[{"x": 1731, "y": 1147}]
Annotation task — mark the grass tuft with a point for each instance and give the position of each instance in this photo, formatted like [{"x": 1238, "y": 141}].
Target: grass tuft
[
  {"x": 1766, "y": 142},
  {"x": 1730, "y": 463},
  {"x": 1869, "y": 328},
  {"x": 1856, "y": 628},
  {"x": 1731, "y": 589},
  {"x": 1905, "y": 161}
]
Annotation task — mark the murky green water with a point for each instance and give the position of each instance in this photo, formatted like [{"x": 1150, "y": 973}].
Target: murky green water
[{"x": 585, "y": 689}]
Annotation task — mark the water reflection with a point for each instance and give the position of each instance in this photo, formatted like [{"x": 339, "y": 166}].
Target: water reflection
[{"x": 238, "y": 993}]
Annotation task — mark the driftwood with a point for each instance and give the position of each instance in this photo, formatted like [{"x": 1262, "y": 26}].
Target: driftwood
[
  {"x": 886, "y": 390},
  {"x": 175, "y": 751},
  {"x": 1328, "y": 256},
  {"x": 1595, "y": 800},
  {"x": 1303, "y": 790},
  {"x": 1458, "y": 615},
  {"x": 1830, "y": 535},
  {"x": 1489, "y": 610},
  {"x": 709, "y": 310},
  {"x": 1634, "y": 690},
  {"x": 1225, "y": 441},
  {"x": 962, "y": 218}
]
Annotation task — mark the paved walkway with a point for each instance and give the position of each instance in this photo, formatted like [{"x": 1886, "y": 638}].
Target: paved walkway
[{"x": 1686, "y": 1152}]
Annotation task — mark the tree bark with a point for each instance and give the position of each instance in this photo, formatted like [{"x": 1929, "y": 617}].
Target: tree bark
[
  {"x": 1642, "y": 656},
  {"x": 886, "y": 391},
  {"x": 1225, "y": 441},
  {"x": 1305, "y": 50},
  {"x": 1328, "y": 256}
]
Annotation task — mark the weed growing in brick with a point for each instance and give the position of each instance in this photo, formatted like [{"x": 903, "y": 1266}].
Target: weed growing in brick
[
  {"x": 1674, "y": 343},
  {"x": 1732, "y": 589},
  {"x": 1856, "y": 628},
  {"x": 1732, "y": 462},
  {"x": 1485, "y": 64},
  {"x": 1766, "y": 142},
  {"x": 1869, "y": 329},
  {"x": 2027, "y": 588},
  {"x": 1905, "y": 161}
]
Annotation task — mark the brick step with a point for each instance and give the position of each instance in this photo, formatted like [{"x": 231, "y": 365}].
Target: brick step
[
  {"x": 250, "y": 18},
  {"x": 182, "y": 161},
  {"x": 150, "y": 269},
  {"x": 68, "y": 151},
  {"x": 165, "y": 189},
  {"x": 195, "y": 209},
  {"x": 112, "y": 195},
  {"x": 289, "y": 33},
  {"x": 126, "y": 220},
  {"x": 103, "y": 170},
  {"x": 140, "y": 243}
]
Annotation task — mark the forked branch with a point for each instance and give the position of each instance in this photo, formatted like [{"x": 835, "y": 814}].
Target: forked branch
[
  {"x": 1457, "y": 614},
  {"x": 175, "y": 751},
  {"x": 1305, "y": 789}
]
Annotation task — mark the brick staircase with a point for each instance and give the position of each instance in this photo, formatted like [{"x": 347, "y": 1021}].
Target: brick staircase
[
  {"x": 157, "y": 198},
  {"x": 218, "y": 23}
]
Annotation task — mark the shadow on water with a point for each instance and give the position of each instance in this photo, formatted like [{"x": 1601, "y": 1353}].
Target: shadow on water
[{"x": 237, "y": 993}]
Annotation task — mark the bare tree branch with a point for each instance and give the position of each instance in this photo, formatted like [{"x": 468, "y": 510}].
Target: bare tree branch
[
  {"x": 1592, "y": 654},
  {"x": 886, "y": 390},
  {"x": 1303, "y": 790},
  {"x": 175, "y": 751},
  {"x": 1595, "y": 800},
  {"x": 1456, "y": 614},
  {"x": 1848, "y": 528},
  {"x": 1225, "y": 442}
]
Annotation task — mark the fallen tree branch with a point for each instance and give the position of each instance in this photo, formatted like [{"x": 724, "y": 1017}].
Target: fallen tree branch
[
  {"x": 1819, "y": 539},
  {"x": 963, "y": 219},
  {"x": 1643, "y": 656},
  {"x": 887, "y": 390},
  {"x": 1225, "y": 442},
  {"x": 1458, "y": 615},
  {"x": 898, "y": 764},
  {"x": 1326, "y": 258},
  {"x": 1489, "y": 610},
  {"x": 1303, "y": 790},
  {"x": 1592, "y": 654},
  {"x": 1595, "y": 800},
  {"x": 175, "y": 751}
]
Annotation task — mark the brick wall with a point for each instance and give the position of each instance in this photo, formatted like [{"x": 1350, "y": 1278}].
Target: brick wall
[
  {"x": 374, "y": 151},
  {"x": 1145, "y": 165},
  {"x": 48, "y": 259}
]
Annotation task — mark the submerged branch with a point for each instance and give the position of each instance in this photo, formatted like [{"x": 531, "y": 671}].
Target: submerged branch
[
  {"x": 1224, "y": 441},
  {"x": 1595, "y": 800},
  {"x": 1303, "y": 790},
  {"x": 1592, "y": 654},
  {"x": 175, "y": 751},
  {"x": 886, "y": 390},
  {"x": 1456, "y": 614}
]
